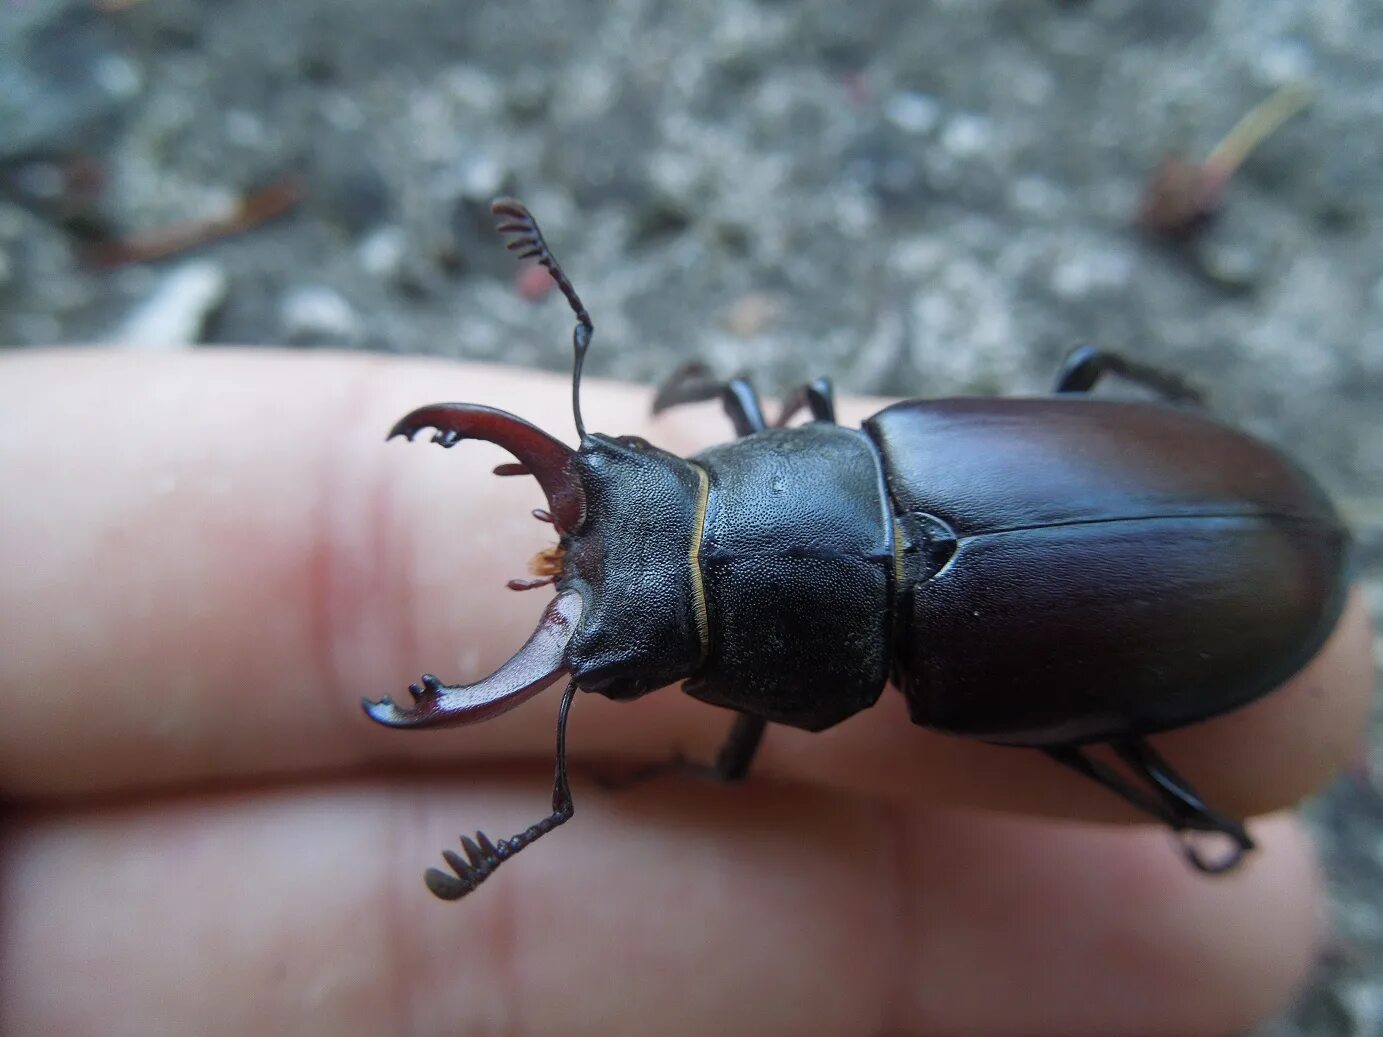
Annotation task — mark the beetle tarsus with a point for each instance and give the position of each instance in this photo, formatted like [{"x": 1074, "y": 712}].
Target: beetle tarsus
[
  {"x": 1240, "y": 844},
  {"x": 1190, "y": 812},
  {"x": 1164, "y": 795}
]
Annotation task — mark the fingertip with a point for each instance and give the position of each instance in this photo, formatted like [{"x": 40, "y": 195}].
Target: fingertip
[
  {"x": 1083, "y": 929},
  {"x": 1292, "y": 742}
]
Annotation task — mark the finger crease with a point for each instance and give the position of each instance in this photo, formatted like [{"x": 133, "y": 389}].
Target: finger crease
[
  {"x": 899, "y": 880},
  {"x": 362, "y": 614}
]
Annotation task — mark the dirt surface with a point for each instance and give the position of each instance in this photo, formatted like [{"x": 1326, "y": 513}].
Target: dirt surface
[{"x": 914, "y": 199}]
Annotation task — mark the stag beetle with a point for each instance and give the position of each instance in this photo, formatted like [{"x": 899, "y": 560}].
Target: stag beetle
[{"x": 1054, "y": 573}]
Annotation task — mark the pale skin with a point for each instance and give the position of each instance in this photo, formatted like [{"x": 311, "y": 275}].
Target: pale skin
[{"x": 211, "y": 559}]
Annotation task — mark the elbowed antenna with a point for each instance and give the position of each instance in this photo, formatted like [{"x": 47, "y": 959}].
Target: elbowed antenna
[{"x": 528, "y": 243}]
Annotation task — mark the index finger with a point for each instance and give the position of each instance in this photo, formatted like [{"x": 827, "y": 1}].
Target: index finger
[{"x": 212, "y": 558}]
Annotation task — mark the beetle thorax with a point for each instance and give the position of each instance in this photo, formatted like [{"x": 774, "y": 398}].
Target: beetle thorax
[{"x": 762, "y": 571}]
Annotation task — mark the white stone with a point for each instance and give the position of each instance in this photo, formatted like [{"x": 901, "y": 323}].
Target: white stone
[
  {"x": 176, "y": 313},
  {"x": 317, "y": 313}
]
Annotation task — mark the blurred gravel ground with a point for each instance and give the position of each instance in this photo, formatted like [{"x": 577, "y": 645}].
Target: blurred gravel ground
[{"x": 915, "y": 198}]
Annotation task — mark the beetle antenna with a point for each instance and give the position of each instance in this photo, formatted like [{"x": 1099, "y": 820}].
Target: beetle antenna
[
  {"x": 527, "y": 241},
  {"x": 483, "y": 857}
]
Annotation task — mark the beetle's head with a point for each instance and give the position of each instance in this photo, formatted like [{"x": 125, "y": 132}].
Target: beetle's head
[
  {"x": 629, "y": 615},
  {"x": 543, "y": 658}
]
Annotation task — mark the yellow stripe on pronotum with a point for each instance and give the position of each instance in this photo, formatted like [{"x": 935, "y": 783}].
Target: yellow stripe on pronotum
[
  {"x": 897, "y": 554},
  {"x": 703, "y": 494}
]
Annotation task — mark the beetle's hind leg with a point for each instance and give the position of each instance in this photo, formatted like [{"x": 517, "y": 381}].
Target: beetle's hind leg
[
  {"x": 692, "y": 383},
  {"x": 1167, "y": 797},
  {"x": 1085, "y": 366},
  {"x": 817, "y": 396}
]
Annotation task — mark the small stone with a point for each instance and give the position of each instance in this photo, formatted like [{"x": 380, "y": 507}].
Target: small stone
[
  {"x": 118, "y": 76},
  {"x": 1235, "y": 264},
  {"x": 314, "y": 314},
  {"x": 481, "y": 177},
  {"x": 354, "y": 192},
  {"x": 913, "y": 112},
  {"x": 245, "y": 128},
  {"x": 967, "y": 136},
  {"x": 176, "y": 314},
  {"x": 382, "y": 252},
  {"x": 751, "y": 314}
]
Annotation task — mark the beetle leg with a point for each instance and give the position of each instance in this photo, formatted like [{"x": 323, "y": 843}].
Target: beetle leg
[
  {"x": 1186, "y": 804},
  {"x": 1169, "y": 798},
  {"x": 739, "y": 748},
  {"x": 483, "y": 857},
  {"x": 731, "y": 764},
  {"x": 817, "y": 396},
  {"x": 1085, "y": 366},
  {"x": 692, "y": 383}
]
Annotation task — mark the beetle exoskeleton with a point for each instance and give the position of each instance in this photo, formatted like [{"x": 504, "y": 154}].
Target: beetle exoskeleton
[{"x": 1052, "y": 573}]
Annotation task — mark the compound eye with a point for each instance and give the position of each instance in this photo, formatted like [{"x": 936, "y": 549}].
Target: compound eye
[{"x": 634, "y": 442}]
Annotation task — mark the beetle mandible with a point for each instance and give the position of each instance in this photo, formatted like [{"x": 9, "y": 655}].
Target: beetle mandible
[{"x": 1163, "y": 568}]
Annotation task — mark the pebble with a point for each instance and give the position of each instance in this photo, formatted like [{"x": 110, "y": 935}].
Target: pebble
[
  {"x": 175, "y": 315},
  {"x": 752, "y": 314},
  {"x": 1233, "y": 263},
  {"x": 967, "y": 136},
  {"x": 312, "y": 314},
  {"x": 913, "y": 112},
  {"x": 382, "y": 252}
]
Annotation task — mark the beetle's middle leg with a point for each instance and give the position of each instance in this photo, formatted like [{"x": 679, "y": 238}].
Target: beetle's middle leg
[
  {"x": 817, "y": 396},
  {"x": 731, "y": 764},
  {"x": 692, "y": 383},
  {"x": 1167, "y": 797},
  {"x": 1084, "y": 366}
]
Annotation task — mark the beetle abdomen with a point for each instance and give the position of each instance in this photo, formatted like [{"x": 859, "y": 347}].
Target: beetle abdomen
[{"x": 1117, "y": 568}]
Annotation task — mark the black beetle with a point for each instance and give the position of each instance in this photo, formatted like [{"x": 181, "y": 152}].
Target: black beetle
[{"x": 1053, "y": 573}]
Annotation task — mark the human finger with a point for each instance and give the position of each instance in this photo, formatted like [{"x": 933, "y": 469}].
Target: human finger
[
  {"x": 760, "y": 910},
  {"x": 217, "y": 556}
]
